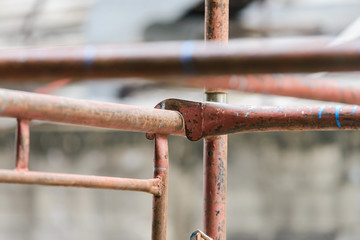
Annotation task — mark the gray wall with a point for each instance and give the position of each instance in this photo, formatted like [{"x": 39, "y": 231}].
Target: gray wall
[{"x": 298, "y": 185}]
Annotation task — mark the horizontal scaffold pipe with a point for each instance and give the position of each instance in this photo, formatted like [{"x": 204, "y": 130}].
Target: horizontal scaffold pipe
[
  {"x": 230, "y": 119},
  {"x": 71, "y": 180},
  {"x": 210, "y": 119},
  {"x": 24, "y": 105},
  {"x": 177, "y": 59},
  {"x": 281, "y": 85}
]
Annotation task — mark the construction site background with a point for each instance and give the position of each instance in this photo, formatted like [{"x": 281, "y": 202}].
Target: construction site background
[{"x": 295, "y": 185}]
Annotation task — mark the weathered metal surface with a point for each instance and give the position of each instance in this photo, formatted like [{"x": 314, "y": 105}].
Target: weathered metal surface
[
  {"x": 192, "y": 114},
  {"x": 71, "y": 180},
  {"x": 173, "y": 59},
  {"x": 160, "y": 201},
  {"x": 212, "y": 119},
  {"x": 282, "y": 85},
  {"x": 215, "y": 175},
  {"x": 216, "y": 30},
  {"x": 225, "y": 119},
  {"x": 22, "y": 144},
  {"x": 89, "y": 113},
  {"x": 217, "y": 20}
]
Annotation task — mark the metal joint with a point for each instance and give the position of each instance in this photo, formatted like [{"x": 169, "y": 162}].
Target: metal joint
[
  {"x": 191, "y": 112},
  {"x": 203, "y": 119}
]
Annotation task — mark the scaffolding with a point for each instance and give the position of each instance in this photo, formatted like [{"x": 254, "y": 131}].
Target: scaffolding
[{"x": 216, "y": 66}]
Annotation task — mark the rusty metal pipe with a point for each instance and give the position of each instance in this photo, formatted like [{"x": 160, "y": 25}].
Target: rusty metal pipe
[
  {"x": 205, "y": 119},
  {"x": 160, "y": 202},
  {"x": 174, "y": 59},
  {"x": 215, "y": 148},
  {"x": 89, "y": 113},
  {"x": 71, "y": 180},
  {"x": 217, "y": 21},
  {"x": 215, "y": 179},
  {"x": 281, "y": 85},
  {"x": 226, "y": 119},
  {"x": 22, "y": 144}
]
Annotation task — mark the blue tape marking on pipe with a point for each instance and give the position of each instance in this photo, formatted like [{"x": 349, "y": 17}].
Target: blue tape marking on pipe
[
  {"x": 337, "y": 115},
  {"x": 320, "y": 111},
  {"x": 89, "y": 55},
  {"x": 187, "y": 50},
  {"x": 193, "y": 234},
  {"x": 354, "y": 109}
]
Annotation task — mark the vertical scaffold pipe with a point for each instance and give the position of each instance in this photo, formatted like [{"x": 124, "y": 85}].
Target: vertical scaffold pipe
[
  {"x": 160, "y": 202},
  {"x": 215, "y": 148},
  {"x": 22, "y": 144}
]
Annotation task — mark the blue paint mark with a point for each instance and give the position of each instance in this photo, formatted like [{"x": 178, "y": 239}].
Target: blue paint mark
[
  {"x": 89, "y": 55},
  {"x": 337, "y": 115},
  {"x": 353, "y": 111},
  {"x": 187, "y": 49},
  {"x": 193, "y": 235},
  {"x": 247, "y": 114},
  {"x": 163, "y": 106},
  {"x": 320, "y": 111}
]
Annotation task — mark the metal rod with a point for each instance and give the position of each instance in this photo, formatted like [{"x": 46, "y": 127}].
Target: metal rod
[
  {"x": 215, "y": 175},
  {"x": 89, "y": 113},
  {"x": 212, "y": 119},
  {"x": 22, "y": 144},
  {"x": 226, "y": 119},
  {"x": 174, "y": 59},
  {"x": 160, "y": 202},
  {"x": 281, "y": 85},
  {"x": 215, "y": 148},
  {"x": 71, "y": 180},
  {"x": 217, "y": 21}
]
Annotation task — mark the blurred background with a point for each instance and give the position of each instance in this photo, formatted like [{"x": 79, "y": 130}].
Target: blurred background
[{"x": 290, "y": 185}]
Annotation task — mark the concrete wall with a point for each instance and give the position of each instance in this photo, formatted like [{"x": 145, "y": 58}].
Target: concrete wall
[{"x": 298, "y": 185}]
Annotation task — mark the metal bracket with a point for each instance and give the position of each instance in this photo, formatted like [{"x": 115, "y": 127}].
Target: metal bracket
[{"x": 192, "y": 113}]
